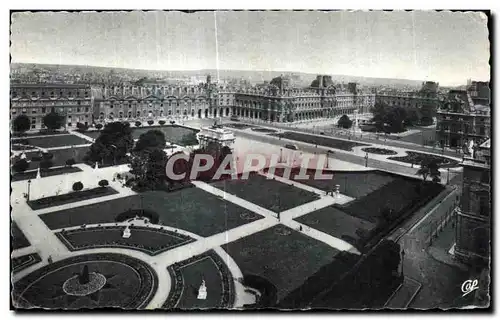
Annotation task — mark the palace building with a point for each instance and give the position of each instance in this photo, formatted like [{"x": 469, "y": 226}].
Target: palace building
[
  {"x": 73, "y": 101},
  {"x": 276, "y": 101}
]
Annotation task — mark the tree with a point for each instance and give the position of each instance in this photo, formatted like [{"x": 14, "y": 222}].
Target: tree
[
  {"x": 153, "y": 139},
  {"x": 148, "y": 167},
  {"x": 82, "y": 127},
  {"x": 77, "y": 186},
  {"x": 21, "y": 124},
  {"x": 344, "y": 122},
  {"x": 429, "y": 168},
  {"x": 46, "y": 164},
  {"x": 53, "y": 121},
  {"x": 427, "y": 111},
  {"x": 98, "y": 126},
  {"x": 47, "y": 155},
  {"x": 138, "y": 123},
  {"x": 103, "y": 183},
  {"x": 412, "y": 117},
  {"x": 161, "y": 122},
  {"x": 395, "y": 119},
  {"x": 21, "y": 165},
  {"x": 70, "y": 162},
  {"x": 172, "y": 122},
  {"x": 112, "y": 145},
  {"x": 379, "y": 111},
  {"x": 150, "y": 122},
  {"x": 189, "y": 139}
]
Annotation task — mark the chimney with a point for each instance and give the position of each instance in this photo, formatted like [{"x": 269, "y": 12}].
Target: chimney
[{"x": 320, "y": 82}]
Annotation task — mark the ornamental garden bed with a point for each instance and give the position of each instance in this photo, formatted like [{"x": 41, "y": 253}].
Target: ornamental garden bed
[
  {"x": 187, "y": 276},
  {"x": 190, "y": 209},
  {"x": 240, "y": 126},
  {"x": 352, "y": 183},
  {"x": 44, "y": 173},
  {"x": 55, "y": 141},
  {"x": 59, "y": 157},
  {"x": 381, "y": 151},
  {"x": 71, "y": 197},
  {"x": 267, "y": 193},
  {"x": 417, "y": 158},
  {"x": 23, "y": 262},
  {"x": 42, "y": 132},
  {"x": 282, "y": 258},
  {"x": 18, "y": 239},
  {"x": 264, "y": 130},
  {"x": 151, "y": 241},
  {"x": 129, "y": 284},
  {"x": 320, "y": 141}
]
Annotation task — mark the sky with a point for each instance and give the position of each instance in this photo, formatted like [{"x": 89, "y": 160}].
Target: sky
[{"x": 448, "y": 47}]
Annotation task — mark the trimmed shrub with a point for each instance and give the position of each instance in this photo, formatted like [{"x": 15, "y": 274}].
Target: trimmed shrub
[
  {"x": 98, "y": 126},
  {"x": 150, "y": 122},
  {"x": 161, "y": 122},
  {"x": 172, "y": 122},
  {"x": 77, "y": 186},
  {"x": 21, "y": 165},
  {"x": 70, "y": 162},
  {"x": 138, "y": 123},
  {"x": 103, "y": 183}
]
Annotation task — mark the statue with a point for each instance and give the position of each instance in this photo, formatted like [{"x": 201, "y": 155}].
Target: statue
[
  {"x": 126, "y": 233},
  {"x": 96, "y": 166},
  {"x": 38, "y": 175},
  {"x": 83, "y": 277},
  {"x": 202, "y": 292}
]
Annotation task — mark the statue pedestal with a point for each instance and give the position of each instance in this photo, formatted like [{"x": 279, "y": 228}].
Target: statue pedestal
[{"x": 126, "y": 233}]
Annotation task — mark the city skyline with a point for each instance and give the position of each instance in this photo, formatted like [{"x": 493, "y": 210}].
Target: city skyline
[{"x": 447, "y": 47}]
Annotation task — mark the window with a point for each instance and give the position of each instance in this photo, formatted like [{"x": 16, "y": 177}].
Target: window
[
  {"x": 14, "y": 112},
  {"x": 33, "y": 111},
  {"x": 43, "y": 93},
  {"x": 69, "y": 93},
  {"x": 86, "y": 109},
  {"x": 33, "y": 94},
  {"x": 78, "y": 109}
]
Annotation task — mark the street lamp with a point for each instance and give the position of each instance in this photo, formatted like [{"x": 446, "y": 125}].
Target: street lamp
[
  {"x": 281, "y": 155},
  {"x": 448, "y": 177},
  {"x": 29, "y": 186},
  {"x": 366, "y": 159}
]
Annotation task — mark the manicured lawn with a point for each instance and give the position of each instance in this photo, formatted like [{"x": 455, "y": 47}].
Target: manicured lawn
[
  {"x": 264, "y": 130},
  {"x": 38, "y": 133},
  {"x": 149, "y": 240},
  {"x": 398, "y": 195},
  {"x": 270, "y": 194},
  {"x": 336, "y": 223},
  {"x": 56, "y": 141},
  {"x": 130, "y": 283},
  {"x": 71, "y": 197},
  {"x": 48, "y": 173},
  {"x": 60, "y": 156},
  {"x": 425, "y": 136},
  {"x": 352, "y": 183},
  {"x": 190, "y": 209},
  {"x": 23, "y": 262},
  {"x": 321, "y": 141},
  {"x": 240, "y": 126},
  {"x": 281, "y": 256},
  {"x": 174, "y": 134},
  {"x": 18, "y": 240},
  {"x": 417, "y": 158},
  {"x": 187, "y": 276}
]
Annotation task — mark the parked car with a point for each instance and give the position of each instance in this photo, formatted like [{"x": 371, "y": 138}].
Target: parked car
[{"x": 291, "y": 147}]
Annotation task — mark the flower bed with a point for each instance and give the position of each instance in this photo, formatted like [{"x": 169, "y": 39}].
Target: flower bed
[
  {"x": 181, "y": 295},
  {"x": 417, "y": 158},
  {"x": 23, "y": 262},
  {"x": 381, "y": 151},
  {"x": 151, "y": 241},
  {"x": 71, "y": 197},
  {"x": 320, "y": 141},
  {"x": 239, "y": 126},
  {"x": 264, "y": 130},
  {"x": 44, "y": 173}
]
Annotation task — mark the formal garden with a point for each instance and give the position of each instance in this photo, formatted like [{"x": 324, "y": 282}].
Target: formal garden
[
  {"x": 187, "y": 277},
  {"x": 418, "y": 157},
  {"x": 264, "y": 130},
  {"x": 190, "y": 209},
  {"x": 18, "y": 239},
  {"x": 60, "y": 140},
  {"x": 278, "y": 260},
  {"x": 267, "y": 193},
  {"x": 22, "y": 262},
  {"x": 239, "y": 126},
  {"x": 381, "y": 151},
  {"x": 352, "y": 183},
  {"x": 88, "y": 281},
  {"x": 173, "y": 133},
  {"x": 151, "y": 241},
  {"x": 78, "y": 194},
  {"x": 320, "y": 141}
]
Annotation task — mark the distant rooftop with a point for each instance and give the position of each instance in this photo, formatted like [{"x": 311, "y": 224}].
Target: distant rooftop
[{"x": 48, "y": 85}]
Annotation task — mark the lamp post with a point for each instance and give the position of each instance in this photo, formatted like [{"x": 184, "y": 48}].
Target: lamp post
[
  {"x": 448, "y": 177},
  {"x": 366, "y": 159},
  {"x": 281, "y": 155},
  {"x": 29, "y": 186}
]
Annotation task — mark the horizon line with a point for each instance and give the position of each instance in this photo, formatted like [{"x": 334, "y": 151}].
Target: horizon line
[{"x": 248, "y": 70}]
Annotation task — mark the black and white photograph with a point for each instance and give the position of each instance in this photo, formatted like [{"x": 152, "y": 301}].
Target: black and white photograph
[{"x": 245, "y": 160}]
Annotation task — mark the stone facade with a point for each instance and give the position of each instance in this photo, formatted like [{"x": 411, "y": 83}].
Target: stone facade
[{"x": 74, "y": 102}]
